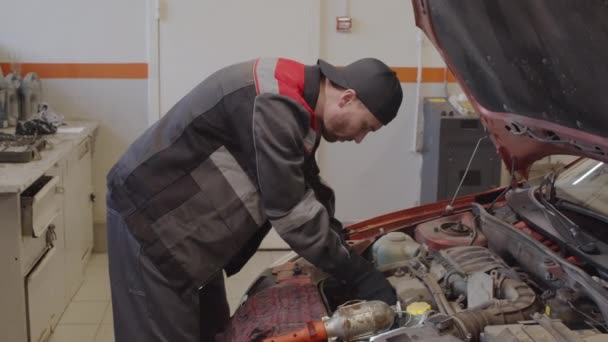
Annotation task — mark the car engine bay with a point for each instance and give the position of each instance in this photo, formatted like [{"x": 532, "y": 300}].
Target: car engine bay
[
  {"x": 453, "y": 275},
  {"x": 481, "y": 274}
]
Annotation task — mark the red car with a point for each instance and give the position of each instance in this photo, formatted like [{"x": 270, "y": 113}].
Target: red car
[{"x": 527, "y": 262}]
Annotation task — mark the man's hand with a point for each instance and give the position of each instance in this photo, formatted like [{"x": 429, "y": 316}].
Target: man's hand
[
  {"x": 374, "y": 286},
  {"x": 368, "y": 282}
]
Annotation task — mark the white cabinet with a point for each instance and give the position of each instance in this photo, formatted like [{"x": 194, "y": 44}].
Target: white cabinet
[
  {"x": 44, "y": 303},
  {"x": 43, "y": 252},
  {"x": 78, "y": 214},
  {"x": 46, "y": 235}
]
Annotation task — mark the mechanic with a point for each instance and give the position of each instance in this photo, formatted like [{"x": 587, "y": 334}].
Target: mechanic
[{"x": 196, "y": 193}]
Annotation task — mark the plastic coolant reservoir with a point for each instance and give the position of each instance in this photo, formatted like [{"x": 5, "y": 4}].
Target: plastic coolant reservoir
[
  {"x": 416, "y": 310},
  {"x": 394, "y": 247}
]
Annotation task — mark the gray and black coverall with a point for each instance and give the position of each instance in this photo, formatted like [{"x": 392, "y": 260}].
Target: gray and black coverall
[{"x": 197, "y": 192}]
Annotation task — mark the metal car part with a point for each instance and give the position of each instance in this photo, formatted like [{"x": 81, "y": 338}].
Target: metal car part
[
  {"x": 432, "y": 283},
  {"x": 540, "y": 330},
  {"x": 360, "y": 320},
  {"x": 516, "y": 302},
  {"x": 532, "y": 257},
  {"x": 414, "y": 335},
  {"x": 480, "y": 289},
  {"x": 511, "y": 300},
  {"x": 474, "y": 259},
  {"x": 484, "y": 61},
  {"x": 450, "y": 231},
  {"x": 524, "y": 203}
]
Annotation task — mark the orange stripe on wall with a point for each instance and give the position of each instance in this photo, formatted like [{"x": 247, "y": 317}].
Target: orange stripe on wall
[
  {"x": 84, "y": 70},
  {"x": 429, "y": 75},
  {"x": 140, "y": 71}
]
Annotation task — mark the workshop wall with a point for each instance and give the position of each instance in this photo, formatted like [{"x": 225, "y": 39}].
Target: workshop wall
[
  {"x": 111, "y": 33},
  {"x": 382, "y": 174}
]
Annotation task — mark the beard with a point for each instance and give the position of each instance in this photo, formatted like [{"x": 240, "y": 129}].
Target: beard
[{"x": 329, "y": 137}]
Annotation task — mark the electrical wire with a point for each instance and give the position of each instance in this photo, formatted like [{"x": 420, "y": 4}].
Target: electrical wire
[{"x": 409, "y": 316}]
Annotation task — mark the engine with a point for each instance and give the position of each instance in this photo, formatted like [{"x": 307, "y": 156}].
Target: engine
[
  {"x": 469, "y": 287},
  {"x": 452, "y": 287}
]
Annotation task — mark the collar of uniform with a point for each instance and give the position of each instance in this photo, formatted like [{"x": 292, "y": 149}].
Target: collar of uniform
[{"x": 312, "y": 79}]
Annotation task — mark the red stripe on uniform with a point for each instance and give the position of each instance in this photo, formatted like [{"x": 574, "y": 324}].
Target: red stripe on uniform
[{"x": 290, "y": 75}]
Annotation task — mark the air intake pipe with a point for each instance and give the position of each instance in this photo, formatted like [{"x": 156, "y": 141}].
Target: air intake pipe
[{"x": 517, "y": 302}]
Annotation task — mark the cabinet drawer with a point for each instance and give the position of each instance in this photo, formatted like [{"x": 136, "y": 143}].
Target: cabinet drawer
[
  {"x": 33, "y": 248},
  {"x": 83, "y": 148},
  {"x": 43, "y": 302},
  {"x": 39, "y": 205}
]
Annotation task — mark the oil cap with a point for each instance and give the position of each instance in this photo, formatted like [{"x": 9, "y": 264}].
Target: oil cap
[{"x": 418, "y": 308}]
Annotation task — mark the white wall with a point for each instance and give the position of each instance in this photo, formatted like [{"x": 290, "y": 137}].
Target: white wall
[
  {"x": 382, "y": 29},
  {"x": 74, "y": 31},
  {"x": 199, "y": 37},
  {"x": 67, "y": 31},
  {"x": 382, "y": 174},
  {"x": 119, "y": 106}
]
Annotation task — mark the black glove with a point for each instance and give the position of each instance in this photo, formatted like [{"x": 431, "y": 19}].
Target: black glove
[{"x": 367, "y": 281}]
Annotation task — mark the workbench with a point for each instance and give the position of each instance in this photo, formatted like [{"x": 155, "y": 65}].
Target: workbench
[{"x": 46, "y": 232}]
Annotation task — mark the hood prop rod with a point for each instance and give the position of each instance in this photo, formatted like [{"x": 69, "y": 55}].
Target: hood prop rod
[{"x": 449, "y": 208}]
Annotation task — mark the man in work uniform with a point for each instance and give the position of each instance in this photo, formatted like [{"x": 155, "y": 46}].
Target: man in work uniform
[{"x": 197, "y": 192}]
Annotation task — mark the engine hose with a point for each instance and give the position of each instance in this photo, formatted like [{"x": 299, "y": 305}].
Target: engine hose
[
  {"x": 459, "y": 284},
  {"x": 431, "y": 282},
  {"x": 441, "y": 301},
  {"x": 517, "y": 303}
]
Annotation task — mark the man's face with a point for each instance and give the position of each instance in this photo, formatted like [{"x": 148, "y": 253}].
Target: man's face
[{"x": 347, "y": 119}]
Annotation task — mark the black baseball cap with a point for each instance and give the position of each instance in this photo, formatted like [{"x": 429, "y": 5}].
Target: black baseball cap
[{"x": 376, "y": 85}]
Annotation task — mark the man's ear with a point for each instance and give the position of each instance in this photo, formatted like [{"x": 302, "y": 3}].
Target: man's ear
[{"x": 347, "y": 96}]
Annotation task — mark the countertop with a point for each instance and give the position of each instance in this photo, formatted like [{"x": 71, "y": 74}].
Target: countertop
[{"x": 16, "y": 177}]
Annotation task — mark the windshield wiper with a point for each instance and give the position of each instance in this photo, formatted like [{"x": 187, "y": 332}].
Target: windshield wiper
[{"x": 567, "y": 229}]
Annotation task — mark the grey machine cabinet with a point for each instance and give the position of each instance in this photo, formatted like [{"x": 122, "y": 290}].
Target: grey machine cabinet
[{"x": 449, "y": 139}]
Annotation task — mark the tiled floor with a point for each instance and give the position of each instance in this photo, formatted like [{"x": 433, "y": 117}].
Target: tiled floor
[{"x": 88, "y": 318}]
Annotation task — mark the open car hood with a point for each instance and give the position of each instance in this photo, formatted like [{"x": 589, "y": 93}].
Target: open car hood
[{"x": 536, "y": 71}]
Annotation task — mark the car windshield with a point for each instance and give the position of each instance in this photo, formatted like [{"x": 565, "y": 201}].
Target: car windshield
[{"x": 585, "y": 184}]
